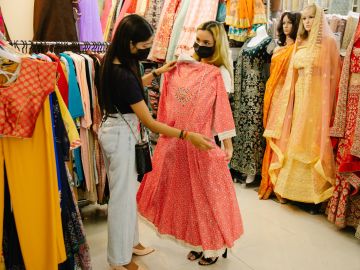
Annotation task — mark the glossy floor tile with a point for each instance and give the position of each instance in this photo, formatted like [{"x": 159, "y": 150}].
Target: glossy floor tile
[{"x": 277, "y": 237}]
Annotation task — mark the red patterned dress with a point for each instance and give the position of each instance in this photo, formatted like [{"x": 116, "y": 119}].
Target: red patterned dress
[
  {"x": 344, "y": 206},
  {"x": 189, "y": 195}
]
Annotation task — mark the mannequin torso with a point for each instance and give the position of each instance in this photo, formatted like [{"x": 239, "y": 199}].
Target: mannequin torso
[{"x": 261, "y": 34}]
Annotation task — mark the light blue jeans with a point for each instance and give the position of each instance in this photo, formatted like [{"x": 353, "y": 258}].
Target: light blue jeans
[{"x": 118, "y": 148}]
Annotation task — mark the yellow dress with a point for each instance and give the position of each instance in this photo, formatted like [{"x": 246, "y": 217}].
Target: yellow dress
[
  {"x": 302, "y": 177},
  {"x": 31, "y": 171}
]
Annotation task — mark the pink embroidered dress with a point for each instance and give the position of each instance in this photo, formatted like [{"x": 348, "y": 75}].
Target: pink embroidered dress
[{"x": 189, "y": 195}]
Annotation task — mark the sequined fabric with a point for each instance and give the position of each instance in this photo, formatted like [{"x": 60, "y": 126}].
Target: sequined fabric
[
  {"x": 189, "y": 195},
  {"x": 250, "y": 79}
]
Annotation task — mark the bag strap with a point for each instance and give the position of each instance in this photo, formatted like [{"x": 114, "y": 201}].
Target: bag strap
[{"x": 132, "y": 131}]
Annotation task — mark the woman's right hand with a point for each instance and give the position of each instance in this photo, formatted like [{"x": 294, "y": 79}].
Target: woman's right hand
[{"x": 199, "y": 141}]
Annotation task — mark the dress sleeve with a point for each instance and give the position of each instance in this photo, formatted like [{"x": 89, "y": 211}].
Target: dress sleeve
[
  {"x": 223, "y": 123},
  {"x": 227, "y": 79}
]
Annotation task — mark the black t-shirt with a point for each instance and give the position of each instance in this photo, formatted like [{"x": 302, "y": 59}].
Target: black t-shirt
[{"x": 125, "y": 89}]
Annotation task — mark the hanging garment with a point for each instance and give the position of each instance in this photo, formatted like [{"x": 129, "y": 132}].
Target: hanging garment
[
  {"x": 347, "y": 127},
  {"x": 278, "y": 70},
  {"x": 198, "y": 183},
  {"x": 70, "y": 126},
  {"x": 76, "y": 110},
  {"x": 245, "y": 18},
  {"x": 11, "y": 245},
  {"x": 61, "y": 82},
  {"x": 302, "y": 166},
  {"x": 75, "y": 103},
  {"x": 132, "y": 7},
  {"x": 259, "y": 17},
  {"x": 111, "y": 19},
  {"x": 3, "y": 27},
  {"x": 163, "y": 33},
  {"x": 22, "y": 100},
  {"x": 89, "y": 25},
  {"x": 239, "y": 13},
  {"x": 54, "y": 20},
  {"x": 77, "y": 249},
  {"x": 350, "y": 29},
  {"x": 201, "y": 11},
  {"x": 97, "y": 118},
  {"x": 250, "y": 79},
  {"x": 34, "y": 192},
  {"x": 176, "y": 30},
  {"x": 108, "y": 5},
  {"x": 126, "y": 5},
  {"x": 86, "y": 120},
  {"x": 341, "y": 7},
  {"x": 221, "y": 13},
  {"x": 153, "y": 12},
  {"x": 141, "y": 7}
]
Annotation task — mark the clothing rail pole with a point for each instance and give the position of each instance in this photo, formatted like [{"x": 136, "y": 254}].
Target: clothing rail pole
[{"x": 62, "y": 43}]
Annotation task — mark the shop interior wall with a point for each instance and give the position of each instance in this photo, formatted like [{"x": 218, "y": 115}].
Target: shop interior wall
[{"x": 18, "y": 16}]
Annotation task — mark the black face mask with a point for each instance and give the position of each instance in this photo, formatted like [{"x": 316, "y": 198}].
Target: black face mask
[
  {"x": 203, "y": 51},
  {"x": 142, "y": 54}
]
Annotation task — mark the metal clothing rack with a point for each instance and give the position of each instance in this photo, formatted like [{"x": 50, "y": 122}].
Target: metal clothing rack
[{"x": 41, "y": 46}]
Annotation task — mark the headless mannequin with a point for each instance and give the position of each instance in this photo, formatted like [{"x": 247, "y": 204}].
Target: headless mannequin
[{"x": 261, "y": 34}]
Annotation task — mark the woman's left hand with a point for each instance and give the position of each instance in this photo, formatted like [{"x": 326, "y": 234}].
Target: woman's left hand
[
  {"x": 228, "y": 153},
  {"x": 165, "y": 68}
]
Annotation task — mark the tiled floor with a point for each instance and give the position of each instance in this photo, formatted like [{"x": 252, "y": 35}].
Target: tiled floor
[{"x": 277, "y": 237}]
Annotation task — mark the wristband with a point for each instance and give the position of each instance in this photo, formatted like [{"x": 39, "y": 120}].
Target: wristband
[{"x": 181, "y": 135}]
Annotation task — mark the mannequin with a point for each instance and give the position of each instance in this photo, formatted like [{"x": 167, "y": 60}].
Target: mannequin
[
  {"x": 250, "y": 81},
  {"x": 287, "y": 32},
  {"x": 302, "y": 168},
  {"x": 261, "y": 34}
]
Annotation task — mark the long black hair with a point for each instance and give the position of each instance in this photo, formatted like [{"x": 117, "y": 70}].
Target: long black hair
[
  {"x": 294, "y": 17},
  {"x": 132, "y": 29}
]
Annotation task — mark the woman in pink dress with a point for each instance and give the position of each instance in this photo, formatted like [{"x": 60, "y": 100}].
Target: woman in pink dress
[{"x": 189, "y": 195}]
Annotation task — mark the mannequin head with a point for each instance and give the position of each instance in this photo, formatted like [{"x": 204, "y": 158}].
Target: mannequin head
[
  {"x": 307, "y": 20},
  {"x": 288, "y": 27}
]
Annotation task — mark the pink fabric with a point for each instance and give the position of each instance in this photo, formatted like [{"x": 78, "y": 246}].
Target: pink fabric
[
  {"x": 189, "y": 194},
  {"x": 86, "y": 121},
  {"x": 164, "y": 30},
  {"x": 123, "y": 11},
  {"x": 201, "y": 11},
  {"x": 105, "y": 14}
]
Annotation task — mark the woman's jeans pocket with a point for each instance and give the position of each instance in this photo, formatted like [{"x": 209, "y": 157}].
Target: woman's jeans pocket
[{"x": 109, "y": 139}]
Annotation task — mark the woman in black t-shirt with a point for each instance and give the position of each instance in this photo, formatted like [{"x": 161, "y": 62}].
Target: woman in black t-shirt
[{"x": 121, "y": 99}]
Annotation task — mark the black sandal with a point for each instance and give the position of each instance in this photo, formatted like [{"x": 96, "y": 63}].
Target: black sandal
[
  {"x": 209, "y": 261},
  {"x": 197, "y": 255}
]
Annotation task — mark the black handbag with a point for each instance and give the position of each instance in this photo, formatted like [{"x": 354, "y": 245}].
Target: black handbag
[
  {"x": 142, "y": 151},
  {"x": 143, "y": 158}
]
